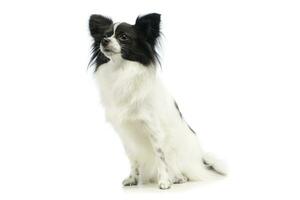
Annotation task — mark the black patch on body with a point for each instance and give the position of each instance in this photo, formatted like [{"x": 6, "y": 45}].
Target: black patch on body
[
  {"x": 137, "y": 41},
  {"x": 176, "y": 106},
  {"x": 191, "y": 128},
  {"x": 180, "y": 114}
]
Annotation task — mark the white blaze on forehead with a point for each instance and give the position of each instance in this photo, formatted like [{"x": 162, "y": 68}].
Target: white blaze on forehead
[
  {"x": 115, "y": 27},
  {"x": 113, "y": 45}
]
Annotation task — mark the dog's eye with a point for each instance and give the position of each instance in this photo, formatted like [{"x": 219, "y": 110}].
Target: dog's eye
[{"x": 123, "y": 37}]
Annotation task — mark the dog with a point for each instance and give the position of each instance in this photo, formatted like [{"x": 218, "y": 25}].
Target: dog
[{"x": 160, "y": 145}]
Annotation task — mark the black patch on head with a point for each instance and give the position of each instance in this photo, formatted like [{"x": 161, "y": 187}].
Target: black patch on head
[
  {"x": 134, "y": 47},
  {"x": 137, "y": 41},
  {"x": 98, "y": 25},
  {"x": 149, "y": 27},
  {"x": 180, "y": 114},
  {"x": 148, "y": 30}
]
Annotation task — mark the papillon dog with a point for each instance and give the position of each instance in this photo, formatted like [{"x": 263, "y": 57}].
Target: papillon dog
[{"x": 160, "y": 145}]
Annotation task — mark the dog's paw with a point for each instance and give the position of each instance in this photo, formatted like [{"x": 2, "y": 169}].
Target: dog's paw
[
  {"x": 180, "y": 179},
  {"x": 163, "y": 185},
  {"x": 130, "y": 181}
]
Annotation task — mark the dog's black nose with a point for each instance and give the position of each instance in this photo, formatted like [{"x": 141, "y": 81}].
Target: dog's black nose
[{"x": 105, "y": 42}]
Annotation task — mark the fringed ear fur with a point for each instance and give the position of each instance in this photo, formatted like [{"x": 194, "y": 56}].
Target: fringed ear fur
[
  {"x": 98, "y": 24},
  {"x": 149, "y": 26}
]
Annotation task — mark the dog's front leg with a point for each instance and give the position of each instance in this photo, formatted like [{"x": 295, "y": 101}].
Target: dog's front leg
[
  {"x": 133, "y": 178},
  {"x": 157, "y": 137},
  {"x": 134, "y": 173}
]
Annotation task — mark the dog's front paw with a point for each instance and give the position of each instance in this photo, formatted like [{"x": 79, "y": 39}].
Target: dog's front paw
[
  {"x": 130, "y": 181},
  {"x": 163, "y": 185}
]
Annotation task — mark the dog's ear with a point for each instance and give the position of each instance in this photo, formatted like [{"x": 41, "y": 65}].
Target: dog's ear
[
  {"x": 149, "y": 26},
  {"x": 98, "y": 24}
]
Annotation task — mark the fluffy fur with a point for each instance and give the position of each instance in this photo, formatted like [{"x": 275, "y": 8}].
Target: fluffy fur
[{"x": 160, "y": 145}]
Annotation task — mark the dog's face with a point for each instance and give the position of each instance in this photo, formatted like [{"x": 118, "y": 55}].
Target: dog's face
[{"x": 132, "y": 42}]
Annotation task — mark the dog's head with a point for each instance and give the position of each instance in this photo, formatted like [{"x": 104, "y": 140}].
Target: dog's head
[{"x": 132, "y": 42}]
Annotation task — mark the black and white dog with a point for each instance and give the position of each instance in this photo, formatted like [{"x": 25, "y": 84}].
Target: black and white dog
[{"x": 160, "y": 145}]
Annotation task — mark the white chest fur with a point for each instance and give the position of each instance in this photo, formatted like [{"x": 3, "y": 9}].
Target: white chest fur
[{"x": 125, "y": 88}]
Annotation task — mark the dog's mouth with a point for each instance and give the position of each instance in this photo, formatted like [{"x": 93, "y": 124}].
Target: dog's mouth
[{"x": 107, "y": 50}]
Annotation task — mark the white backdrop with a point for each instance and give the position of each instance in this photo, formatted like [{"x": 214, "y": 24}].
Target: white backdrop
[{"x": 233, "y": 66}]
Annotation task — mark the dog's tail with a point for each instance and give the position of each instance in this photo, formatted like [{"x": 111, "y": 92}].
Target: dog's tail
[
  {"x": 214, "y": 164},
  {"x": 207, "y": 168}
]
